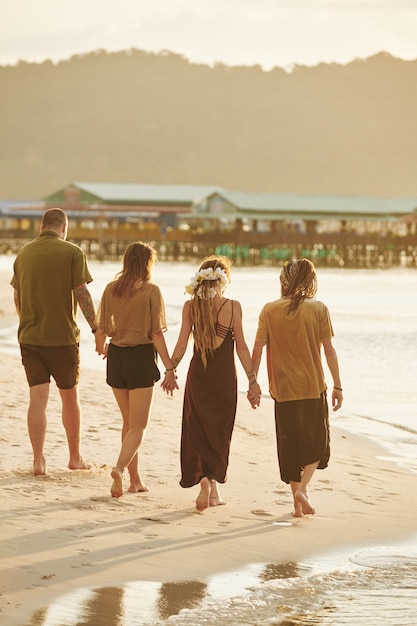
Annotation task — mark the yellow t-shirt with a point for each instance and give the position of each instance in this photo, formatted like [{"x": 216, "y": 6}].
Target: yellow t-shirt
[
  {"x": 132, "y": 320},
  {"x": 293, "y": 348}
]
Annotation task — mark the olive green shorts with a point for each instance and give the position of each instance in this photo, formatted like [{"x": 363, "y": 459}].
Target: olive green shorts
[{"x": 62, "y": 363}]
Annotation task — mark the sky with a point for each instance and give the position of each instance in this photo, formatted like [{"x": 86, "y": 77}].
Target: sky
[{"x": 269, "y": 33}]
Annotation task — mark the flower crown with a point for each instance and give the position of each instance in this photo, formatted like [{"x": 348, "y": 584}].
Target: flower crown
[{"x": 208, "y": 273}]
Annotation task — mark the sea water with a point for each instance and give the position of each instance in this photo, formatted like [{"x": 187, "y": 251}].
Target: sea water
[{"x": 375, "y": 324}]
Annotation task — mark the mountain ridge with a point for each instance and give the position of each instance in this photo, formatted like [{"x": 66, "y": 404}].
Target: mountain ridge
[{"x": 135, "y": 116}]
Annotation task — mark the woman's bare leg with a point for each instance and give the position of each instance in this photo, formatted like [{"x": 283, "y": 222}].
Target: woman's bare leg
[
  {"x": 215, "y": 499},
  {"x": 301, "y": 494},
  {"x": 298, "y": 511},
  {"x": 203, "y": 497},
  {"x": 135, "y": 406}
]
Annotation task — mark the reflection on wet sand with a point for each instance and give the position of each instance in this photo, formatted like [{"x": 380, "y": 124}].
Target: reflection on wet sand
[
  {"x": 127, "y": 605},
  {"x": 176, "y": 596},
  {"x": 104, "y": 607},
  {"x": 101, "y": 607},
  {"x": 274, "y": 571}
]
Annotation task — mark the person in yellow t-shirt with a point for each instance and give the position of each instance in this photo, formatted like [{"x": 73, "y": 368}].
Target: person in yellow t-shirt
[{"x": 294, "y": 328}]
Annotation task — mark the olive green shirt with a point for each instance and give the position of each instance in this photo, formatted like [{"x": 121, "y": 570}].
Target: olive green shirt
[
  {"x": 293, "y": 348},
  {"x": 45, "y": 272}
]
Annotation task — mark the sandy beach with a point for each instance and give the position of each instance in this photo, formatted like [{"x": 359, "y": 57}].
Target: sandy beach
[{"x": 63, "y": 530}]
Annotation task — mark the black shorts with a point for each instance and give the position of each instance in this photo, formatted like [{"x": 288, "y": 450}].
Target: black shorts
[
  {"x": 60, "y": 362},
  {"x": 303, "y": 435},
  {"x": 132, "y": 367}
]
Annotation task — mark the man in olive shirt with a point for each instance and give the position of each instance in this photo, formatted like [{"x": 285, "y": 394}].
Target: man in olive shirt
[{"x": 50, "y": 277}]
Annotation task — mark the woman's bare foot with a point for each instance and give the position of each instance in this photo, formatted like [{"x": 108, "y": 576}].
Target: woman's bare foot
[
  {"x": 79, "y": 464},
  {"x": 203, "y": 498},
  {"x": 216, "y": 501},
  {"x": 304, "y": 501},
  {"x": 39, "y": 467},
  {"x": 117, "y": 486},
  {"x": 137, "y": 486},
  {"x": 298, "y": 510}
]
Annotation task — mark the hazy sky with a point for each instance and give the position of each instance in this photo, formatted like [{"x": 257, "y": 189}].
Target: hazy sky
[{"x": 234, "y": 32}]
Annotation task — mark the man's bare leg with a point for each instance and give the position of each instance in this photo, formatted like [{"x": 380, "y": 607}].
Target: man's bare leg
[
  {"x": 36, "y": 420},
  {"x": 71, "y": 419},
  {"x": 301, "y": 495}
]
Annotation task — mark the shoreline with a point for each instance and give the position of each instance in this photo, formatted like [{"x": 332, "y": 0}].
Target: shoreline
[{"x": 63, "y": 531}]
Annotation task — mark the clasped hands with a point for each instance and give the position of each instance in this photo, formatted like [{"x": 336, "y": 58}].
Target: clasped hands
[
  {"x": 170, "y": 382},
  {"x": 254, "y": 395}
]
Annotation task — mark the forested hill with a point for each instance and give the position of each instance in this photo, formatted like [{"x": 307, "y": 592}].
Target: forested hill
[{"x": 157, "y": 118}]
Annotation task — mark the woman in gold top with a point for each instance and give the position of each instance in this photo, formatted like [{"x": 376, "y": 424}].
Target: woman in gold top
[
  {"x": 294, "y": 329},
  {"x": 132, "y": 314}
]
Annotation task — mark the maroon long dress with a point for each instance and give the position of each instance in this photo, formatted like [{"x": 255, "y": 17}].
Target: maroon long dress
[{"x": 209, "y": 410}]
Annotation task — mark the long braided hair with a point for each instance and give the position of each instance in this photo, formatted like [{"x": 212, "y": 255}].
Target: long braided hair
[
  {"x": 298, "y": 282},
  {"x": 204, "y": 331}
]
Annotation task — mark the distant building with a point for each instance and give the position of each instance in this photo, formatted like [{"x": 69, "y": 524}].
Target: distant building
[{"x": 131, "y": 211}]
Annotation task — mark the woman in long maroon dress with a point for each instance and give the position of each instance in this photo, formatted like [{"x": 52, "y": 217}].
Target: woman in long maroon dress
[{"x": 210, "y": 396}]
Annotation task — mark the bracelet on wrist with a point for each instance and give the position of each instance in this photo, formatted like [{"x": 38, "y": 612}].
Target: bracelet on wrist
[{"x": 338, "y": 388}]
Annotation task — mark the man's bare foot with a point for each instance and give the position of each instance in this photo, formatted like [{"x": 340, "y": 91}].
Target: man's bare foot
[
  {"x": 202, "y": 501},
  {"x": 116, "y": 489},
  {"x": 39, "y": 467},
  {"x": 216, "y": 501},
  {"x": 137, "y": 486},
  {"x": 79, "y": 464},
  {"x": 305, "y": 503}
]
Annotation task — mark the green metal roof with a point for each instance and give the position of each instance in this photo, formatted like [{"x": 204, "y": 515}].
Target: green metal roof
[
  {"x": 133, "y": 193},
  {"x": 239, "y": 204},
  {"x": 317, "y": 206}
]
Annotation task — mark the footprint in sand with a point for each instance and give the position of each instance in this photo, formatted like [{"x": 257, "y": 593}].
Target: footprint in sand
[{"x": 260, "y": 512}]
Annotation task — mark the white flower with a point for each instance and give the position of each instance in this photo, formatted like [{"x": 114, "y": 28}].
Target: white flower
[{"x": 207, "y": 273}]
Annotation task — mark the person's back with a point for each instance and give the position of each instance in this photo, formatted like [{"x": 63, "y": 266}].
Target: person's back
[
  {"x": 294, "y": 329},
  {"x": 47, "y": 270},
  {"x": 50, "y": 277},
  {"x": 293, "y": 341}
]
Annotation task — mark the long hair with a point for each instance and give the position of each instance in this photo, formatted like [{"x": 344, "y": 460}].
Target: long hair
[
  {"x": 204, "y": 331},
  {"x": 298, "y": 282},
  {"x": 138, "y": 261}
]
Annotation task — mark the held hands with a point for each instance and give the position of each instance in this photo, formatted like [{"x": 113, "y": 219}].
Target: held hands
[
  {"x": 170, "y": 381},
  {"x": 254, "y": 395},
  {"x": 100, "y": 339}
]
